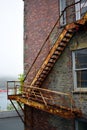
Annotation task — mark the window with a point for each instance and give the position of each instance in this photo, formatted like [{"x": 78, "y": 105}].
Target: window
[
  {"x": 80, "y": 69},
  {"x": 62, "y": 7},
  {"x": 80, "y": 125},
  {"x": 80, "y": 8}
]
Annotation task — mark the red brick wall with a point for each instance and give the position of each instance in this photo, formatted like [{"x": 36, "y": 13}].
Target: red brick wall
[
  {"x": 46, "y": 121},
  {"x": 40, "y": 120},
  {"x": 39, "y": 18}
]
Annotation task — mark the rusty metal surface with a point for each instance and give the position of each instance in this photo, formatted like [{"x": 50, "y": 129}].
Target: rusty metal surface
[
  {"x": 60, "y": 111},
  {"x": 54, "y": 102}
]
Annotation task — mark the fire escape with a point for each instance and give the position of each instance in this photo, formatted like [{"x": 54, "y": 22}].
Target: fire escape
[{"x": 59, "y": 103}]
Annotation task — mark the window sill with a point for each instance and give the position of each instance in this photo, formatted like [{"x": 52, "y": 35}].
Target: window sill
[{"x": 79, "y": 92}]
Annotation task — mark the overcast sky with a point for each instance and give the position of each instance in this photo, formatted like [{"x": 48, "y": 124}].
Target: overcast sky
[{"x": 11, "y": 37}]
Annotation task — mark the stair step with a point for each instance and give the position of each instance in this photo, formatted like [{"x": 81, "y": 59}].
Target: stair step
[
  {"x": 54, "y": 57},
  {"x": 36, "y": 84},
  {"x": 42, "y": 76},
  {"x": 44, "y": 71},
  {"x": 70, "y": 31},
  {"x": 49, "y": 65},
  {"x": 68, "y": 35},
  {"x": 51, "y": 61},
  {"x": 62, "y": 44},
  {"x": 65, "y": 40},
  {"x": 60, "y": 48},
  {"x": 57, "y": 52},
  {"x": 47, "y": 68},
  {"x": 40, "y": 79}
]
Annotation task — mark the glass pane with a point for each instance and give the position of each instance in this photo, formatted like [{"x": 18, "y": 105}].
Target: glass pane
[
  {"x": 77, "y": 8},
  {"x": 81, "y": 58},
  {"x": 62, "y": 7},
  {"x": 83, "y": 7},
  {"x": 82, "y": 125},
  {"x": 82, "y": 79},
  {"x": 83, "y": 11}
]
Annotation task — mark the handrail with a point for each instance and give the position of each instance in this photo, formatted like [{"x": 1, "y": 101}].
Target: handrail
[
  {"x": 47, "y": 97},
  {"x": 14, "y": 86},
  {"x": 49, "y": 35},
  {"x": 51, "y": 97}
]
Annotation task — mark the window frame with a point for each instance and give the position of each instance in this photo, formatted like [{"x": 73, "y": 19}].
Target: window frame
[
  {"x": 62, "y": 7},
  {"x": 76, "y": 88},
  {"x": 78, "y": 121},
  {"x": 78, "y": 7}
]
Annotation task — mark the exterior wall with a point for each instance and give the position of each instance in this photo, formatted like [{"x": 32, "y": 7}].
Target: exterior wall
[
  {"x": 39, "y": 18},
  {"x": 80, "y": 97},
  {"x": 70, "y": 12},
  {"x": 39, "y": 120}
]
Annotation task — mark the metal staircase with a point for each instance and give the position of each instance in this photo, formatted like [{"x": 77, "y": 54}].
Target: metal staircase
[
  {"x": 58, "y": 103},
  {"x": 57, "y": 50}
]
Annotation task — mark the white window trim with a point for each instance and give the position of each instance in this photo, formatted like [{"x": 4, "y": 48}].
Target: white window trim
[
  {"x": 74, "y": 72},
  {"x": 76, "y": 125},
  {"x": 75, "y": 75},
  {"x": 61, "y": 9},
  {"x": 77, "y": 8}
]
